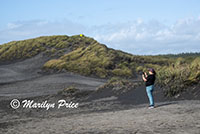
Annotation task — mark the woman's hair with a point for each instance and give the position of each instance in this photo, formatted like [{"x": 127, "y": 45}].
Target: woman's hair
[{"x": 152, "y": 70}]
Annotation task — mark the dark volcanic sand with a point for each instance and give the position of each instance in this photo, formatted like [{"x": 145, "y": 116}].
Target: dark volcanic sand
[
  {"x": 98, "y": 113},
  {"x": 23, "y": 79}
]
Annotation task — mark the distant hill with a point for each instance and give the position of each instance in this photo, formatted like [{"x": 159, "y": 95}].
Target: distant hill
[
  {"x": 196, "y": 54},
  {"x": 86, "y": 56}
]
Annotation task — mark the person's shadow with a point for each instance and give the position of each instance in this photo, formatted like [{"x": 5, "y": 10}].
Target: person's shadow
[{"x": 165, "y": 104}]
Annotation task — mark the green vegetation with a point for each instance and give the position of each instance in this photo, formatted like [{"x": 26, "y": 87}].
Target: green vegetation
[
  {"x": 91, "y": 60},
  {"x": 19, "y": 50},
  {"x": 98, "y": 60},
  {"x": 70, "y": 91},
  {"x": 53, "y": 46},
  {"x": 84, "y": 55},
  {"x": 178, "y": 76},
  {"x": 119, "y": 85}
]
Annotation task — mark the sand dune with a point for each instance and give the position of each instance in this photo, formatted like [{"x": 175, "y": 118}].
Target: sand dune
[{"x": 102, "y": 112}]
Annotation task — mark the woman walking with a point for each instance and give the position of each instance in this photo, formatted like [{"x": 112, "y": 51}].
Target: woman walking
[{"x": 149, "y": 82}]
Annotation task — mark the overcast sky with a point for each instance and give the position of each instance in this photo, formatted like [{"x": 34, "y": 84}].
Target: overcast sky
[{"x": 135, "y": 26}]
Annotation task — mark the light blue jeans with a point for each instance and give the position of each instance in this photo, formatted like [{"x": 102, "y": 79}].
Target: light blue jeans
[{"x": 149, "y": 90}]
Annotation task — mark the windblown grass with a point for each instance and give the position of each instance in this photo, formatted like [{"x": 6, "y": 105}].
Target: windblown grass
[
  {"x": 84, "y": 55},
  {"x": 51, "y": 45},
  {"x": 177, "y": 77}
]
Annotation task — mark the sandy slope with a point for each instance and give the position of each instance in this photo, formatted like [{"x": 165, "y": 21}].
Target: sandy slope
[
  {"x": 23, "y": 79},
  {"x": 48, "y": 84}
]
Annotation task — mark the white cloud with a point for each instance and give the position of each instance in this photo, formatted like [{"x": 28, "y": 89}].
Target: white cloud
[
  {"x": 153, "y": 37},
  {"x": 12, "y": 25},
  {"x": 29, "y": 29},
  {"x": 137, "y": 37}
]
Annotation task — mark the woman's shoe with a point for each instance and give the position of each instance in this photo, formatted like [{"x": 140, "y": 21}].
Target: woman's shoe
[{"x": 151, "y": 107}]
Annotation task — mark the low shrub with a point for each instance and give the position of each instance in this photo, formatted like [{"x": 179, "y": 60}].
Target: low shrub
[{"x": 118, "y": 85}]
